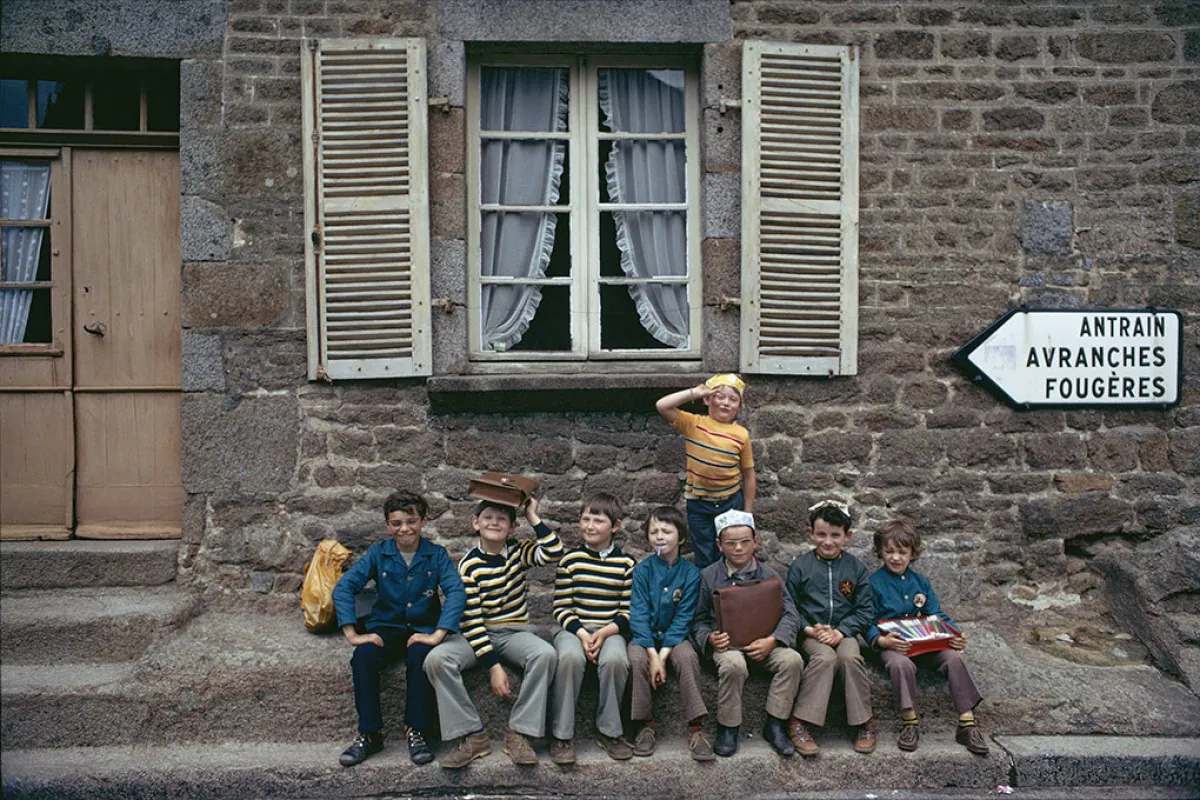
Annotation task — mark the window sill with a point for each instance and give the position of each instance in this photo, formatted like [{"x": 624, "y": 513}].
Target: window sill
[{"x": 616, "y": 392}]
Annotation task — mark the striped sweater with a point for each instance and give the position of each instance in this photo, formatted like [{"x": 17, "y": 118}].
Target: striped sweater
[
  {"x": 591, "y": 590},
  {"x": 496, "y": 587},
  {"x": 717, "y": 454}
]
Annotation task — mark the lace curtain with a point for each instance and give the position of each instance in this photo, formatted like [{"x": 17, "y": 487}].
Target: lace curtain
[
  {"x": 652, "y": 243},
  {"x": 518, "y": 244},
  {"x": 24, "y": 194}
]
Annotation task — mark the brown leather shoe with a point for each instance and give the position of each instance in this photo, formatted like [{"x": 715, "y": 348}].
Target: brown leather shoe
[
  {"x": 517, "y": 748},
  {"x": 910, "y": 733},
  {"x": 803, "y": 743},
  {"x": 865, "y": 741},
  {"x": 617, "y": 748},
  {"x": 971, "y": 738},
  {"x": 701, "y": 749},
  {"x": 562, "y": 752},
  {"x": 643, "y": 745},
  {"x": 472, "y": 746}
]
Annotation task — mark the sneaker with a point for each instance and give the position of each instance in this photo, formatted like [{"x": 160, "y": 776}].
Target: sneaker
[
  {"x": 865, "y": 741},
  {"x": 617, "y": 748},
  {"x": 910, "y": 733},
  {"x": 418, "y": 750},
  {"x": 562, "y": 752},
  {"x": 971, "y": 737},
  {"x": 472, "y": 746},
  {"x": 362, "y": 748},
  {"x": 517, "y": 748},
  {"x": 643, "y": 745},
  {"x": 801, "y": 740},
  {"x": 701, "y": 749}
]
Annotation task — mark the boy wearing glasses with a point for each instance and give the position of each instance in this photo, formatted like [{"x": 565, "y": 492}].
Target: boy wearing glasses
[
  {"x": 737, "y": 540},
  {"x": 832, "y": 592}
]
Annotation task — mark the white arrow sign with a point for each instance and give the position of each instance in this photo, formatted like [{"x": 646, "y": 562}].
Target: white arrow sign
[{"x": 1094, "y": 357}]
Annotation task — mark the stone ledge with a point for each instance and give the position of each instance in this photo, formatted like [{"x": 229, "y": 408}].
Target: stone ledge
[{"x": 526, "y": 393}]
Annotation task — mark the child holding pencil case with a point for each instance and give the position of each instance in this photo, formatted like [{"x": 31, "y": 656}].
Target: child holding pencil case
[{"x": 900, "y": 595}]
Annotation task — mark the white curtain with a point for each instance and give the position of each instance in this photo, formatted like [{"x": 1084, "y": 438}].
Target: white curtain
[
  {"x": 24, "y": 194},
  {"x": 518, "y": 244},
  {"x": 652, "y": 244}
]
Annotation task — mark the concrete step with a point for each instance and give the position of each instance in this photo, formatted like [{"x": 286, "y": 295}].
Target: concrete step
[
  {"x": 96, "y": 625},
  {"x": 1162, "y": 768},
  {"x": 253, "y": 677},
  {"x": 81, "y": 562}
]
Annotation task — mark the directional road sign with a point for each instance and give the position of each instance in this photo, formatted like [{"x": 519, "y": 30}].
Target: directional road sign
[{"x": 1038, "y": 358}]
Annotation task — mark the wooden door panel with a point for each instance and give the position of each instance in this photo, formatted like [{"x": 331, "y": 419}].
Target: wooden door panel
[
  {"x": 128, "y": 462},
  {"x": 126, "y": 240},
  {"x": 127, "y": 359},
  {"x": 36, "y": 472}
]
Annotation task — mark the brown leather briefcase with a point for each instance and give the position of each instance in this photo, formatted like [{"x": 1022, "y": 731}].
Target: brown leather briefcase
[
  {"x": 500, "y": 487},
  {"x": 748, "y": 611}
]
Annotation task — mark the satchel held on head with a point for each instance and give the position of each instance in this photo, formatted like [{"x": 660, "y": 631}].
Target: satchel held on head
[{"x": 503, "y": 488}]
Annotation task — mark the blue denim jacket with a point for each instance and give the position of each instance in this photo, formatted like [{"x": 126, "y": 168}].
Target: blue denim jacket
[{"x": 408, "y": 593}]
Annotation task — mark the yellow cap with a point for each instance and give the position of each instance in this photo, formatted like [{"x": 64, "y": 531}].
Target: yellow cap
[{"x": 727, "y": 379}]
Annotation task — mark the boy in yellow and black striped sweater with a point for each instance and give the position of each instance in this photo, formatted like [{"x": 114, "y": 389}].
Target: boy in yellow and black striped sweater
[
  {"x": 591, "y": 603},
  {"x": 495, "y": 626}
]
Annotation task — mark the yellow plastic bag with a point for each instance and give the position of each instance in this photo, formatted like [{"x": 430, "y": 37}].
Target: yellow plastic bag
[{"x": 320, "y": 576}]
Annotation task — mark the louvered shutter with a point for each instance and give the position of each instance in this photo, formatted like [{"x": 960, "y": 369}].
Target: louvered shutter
[
  {"x": 366, "y": 208},
  {"x": 799, "y": 209}
]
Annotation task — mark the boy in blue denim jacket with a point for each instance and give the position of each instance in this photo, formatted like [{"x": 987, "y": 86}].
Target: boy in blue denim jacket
[{"x": 407, "y": 621}]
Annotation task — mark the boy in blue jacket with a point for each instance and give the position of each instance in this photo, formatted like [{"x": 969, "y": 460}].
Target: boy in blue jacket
[
  {"x": 666, "y": 589},
  {"x": 900, "y": 591},
  {"x": 407, "y": 621}
]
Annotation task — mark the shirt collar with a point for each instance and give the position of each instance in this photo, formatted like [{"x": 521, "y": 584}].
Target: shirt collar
[{"x": 750, "y": 567}]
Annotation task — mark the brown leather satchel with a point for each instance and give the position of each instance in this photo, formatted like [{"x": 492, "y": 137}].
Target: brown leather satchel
[
  {"x": 500, "y": 487},
  {"x": 748, "y": 611}
]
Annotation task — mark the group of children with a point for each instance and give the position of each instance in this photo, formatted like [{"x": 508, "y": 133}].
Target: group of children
[{"x": 631, "y": 619}]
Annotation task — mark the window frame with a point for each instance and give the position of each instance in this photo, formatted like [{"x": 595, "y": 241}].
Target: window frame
[
  {"x": 583, "y": 208},
  {"x": 58, "y": 228}
]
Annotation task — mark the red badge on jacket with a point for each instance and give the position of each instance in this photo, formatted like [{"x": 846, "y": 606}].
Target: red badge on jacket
[{"x": 846, "y": 587}]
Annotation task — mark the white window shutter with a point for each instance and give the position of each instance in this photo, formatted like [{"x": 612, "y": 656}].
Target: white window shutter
[
  {"x": 366, "y": 208},
  {"x": 799, "y": 209}
]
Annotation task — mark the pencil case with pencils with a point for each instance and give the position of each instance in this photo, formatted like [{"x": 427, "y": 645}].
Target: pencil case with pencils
[{"x": 923, "y": 634}]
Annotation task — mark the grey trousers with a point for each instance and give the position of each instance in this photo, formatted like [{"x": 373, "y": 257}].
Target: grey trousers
[
  {"x": 733, "y": 667},
  {"x": 903, "y": 671},
  {"x": 612, "y": 668},
  {"x": 687, "y": 669},
  {"x": 518, "y": 646},
  {"x": 824, "y": 662}
]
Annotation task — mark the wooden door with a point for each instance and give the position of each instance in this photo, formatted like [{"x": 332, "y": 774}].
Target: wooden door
[
  {"x": 37, "y": 455},
  {"x": 126, "y": 269}
]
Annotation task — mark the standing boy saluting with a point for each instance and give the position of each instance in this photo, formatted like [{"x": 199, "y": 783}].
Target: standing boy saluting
[
  {"x": 407, "y": 621},
  {"x": 720, "y": 461},
  {"x": 495, "y": 625},
  {"x": 832, "y": 592},
  {"x": 591, "y": 603}
]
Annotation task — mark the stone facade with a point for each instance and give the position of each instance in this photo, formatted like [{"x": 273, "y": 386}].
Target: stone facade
[{"x": 1042, "y": 153}]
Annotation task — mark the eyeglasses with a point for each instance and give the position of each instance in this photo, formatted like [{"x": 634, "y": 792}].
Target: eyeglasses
[{"x": 838, "y": 504}]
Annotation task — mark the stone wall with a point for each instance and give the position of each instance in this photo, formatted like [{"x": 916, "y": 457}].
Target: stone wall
[{"x": 1040, "y": 153}]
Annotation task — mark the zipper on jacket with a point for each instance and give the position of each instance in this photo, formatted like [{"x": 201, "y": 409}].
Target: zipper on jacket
[{"x": 829, "y": 572}]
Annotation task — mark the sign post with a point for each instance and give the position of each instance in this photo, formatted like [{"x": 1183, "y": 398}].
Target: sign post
[{"x": 1079, "y": 358}]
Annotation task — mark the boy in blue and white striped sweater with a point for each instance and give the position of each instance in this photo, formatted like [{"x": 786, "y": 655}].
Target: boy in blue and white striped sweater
[{"x": 591, "y": 604}]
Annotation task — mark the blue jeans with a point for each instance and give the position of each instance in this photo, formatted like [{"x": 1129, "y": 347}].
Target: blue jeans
[
  {"x": 700, "y": 516},
  {"x": 369, "y": 660}
]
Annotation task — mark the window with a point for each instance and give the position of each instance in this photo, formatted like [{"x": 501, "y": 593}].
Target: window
[
  {"x": 583, "y": 227},
  {"x": 28, "y": 300},
  {"x": 135, "y": 97}
]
